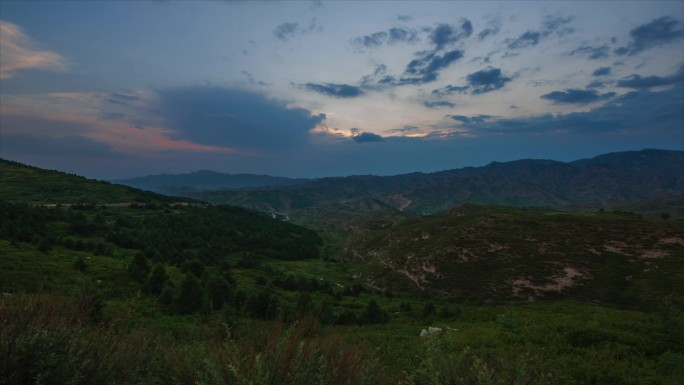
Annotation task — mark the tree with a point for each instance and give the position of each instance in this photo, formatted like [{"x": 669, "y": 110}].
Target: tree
[
  {"x": 155, "y": 282},
  {"x": 218, "y": 289},
  {"x": 139, "y": 268},
  {"x": 80, "y": 264},
  {"x": 373, "y": 314},
  {"x": 190, "y": 296},
  {"x": 428, "y": 310}
]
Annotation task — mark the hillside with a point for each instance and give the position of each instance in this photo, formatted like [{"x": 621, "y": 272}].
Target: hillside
[
  {"x": 488, "y": 253},
  {"x": 27, "y": 184},
  {"x": 161, "y": 292},
  {"x": 604, "y": 181},
  {"x": 180, "y": 184}
]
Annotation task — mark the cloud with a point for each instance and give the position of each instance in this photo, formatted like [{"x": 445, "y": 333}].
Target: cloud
[
  {"x": 596, "y": 84},
  {"x": 658, "y": 32},
  {"x": 392, "y": 36},
  {"x": 527, "y": 39},
  {"x": 493, "y": 28},
  {"x": 557, "y": 24},
  {"x": 122, "y": 99},
  {"x": 404, "y": 18},
  {"x": 20, "y": 52},
  {"x": 287, "y": 30},
  {"x": 335, "y": 90},
  {"x": 233, "y": 117},
  {"x": 603, "y": 71},
  {"x": 552, "y": 25},
  {"x": 638, "y": 113},
  {"x": 446, "y": 34},
  {"x": 408, "y": 129},
  {"x": 449, "y": 89},
  {"x": 593, "y": 53},
  {"x": 576, "y": 96},
  {"x": 426, "y": 68},
  {"x": 367, "y": 137},
  {"x": 638, "y": 82},
  {"x": 379, "y": 79},
  {"x": 487, "y": 80},
  {"x": 438, "y": 103},
  {"x": 476, "y": 119}
]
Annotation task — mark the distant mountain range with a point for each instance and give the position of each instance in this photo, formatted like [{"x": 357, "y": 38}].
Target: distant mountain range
[
  {"x": 180, "y": 184},
  {"x": 604, "y": 181}
]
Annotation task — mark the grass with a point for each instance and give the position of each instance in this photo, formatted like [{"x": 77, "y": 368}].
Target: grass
[
  {"x": 52, "y": 339},
  {"x": 72, "y": 312}
]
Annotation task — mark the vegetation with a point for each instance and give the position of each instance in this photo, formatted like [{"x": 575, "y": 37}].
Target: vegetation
[
  {"x": 159, "y": 292},
  {"x": 22, "y": 183},
  {"x": 498, "y": 253}
]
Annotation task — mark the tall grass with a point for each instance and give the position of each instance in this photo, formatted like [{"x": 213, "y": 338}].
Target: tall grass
[{"x": 47, "y": 340}]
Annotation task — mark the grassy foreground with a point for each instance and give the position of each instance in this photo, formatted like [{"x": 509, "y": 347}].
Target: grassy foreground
[{"x": 47, "y": 339}]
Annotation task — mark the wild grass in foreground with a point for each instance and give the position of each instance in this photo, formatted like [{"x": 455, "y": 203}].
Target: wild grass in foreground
[
  {"x": 46, "y": 339},
  {"x": 50, "y": 340}
]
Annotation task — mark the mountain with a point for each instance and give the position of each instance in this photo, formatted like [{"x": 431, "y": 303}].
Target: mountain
[
  {"x": 603, "y": 181},
  {"x": 27, "y": 184},
  {"x": 494, "y": 253},
  {"x": 180, "y": 184}
]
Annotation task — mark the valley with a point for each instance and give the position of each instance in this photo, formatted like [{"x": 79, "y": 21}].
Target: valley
[{"x": 537, "y": 272}]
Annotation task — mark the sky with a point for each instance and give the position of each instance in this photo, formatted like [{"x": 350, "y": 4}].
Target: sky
[{"x": 117, "y": 89}]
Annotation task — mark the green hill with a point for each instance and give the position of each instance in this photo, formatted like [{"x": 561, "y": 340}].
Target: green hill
[
  {"x": 156, "y": 291},
  {"x": 22, "y": 183},
  {"x": 488, "y": 253}
]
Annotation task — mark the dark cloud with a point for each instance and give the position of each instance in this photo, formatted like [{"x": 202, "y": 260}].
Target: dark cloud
[
  {"x": 367, "y": 137},
  {"x": 638, "y": 114},
  {"x": 603, "y": 71},
  {"x": 646, "y": 82},
  {"x": 438, "y": 103},
  {"x": 404, "y": 18},
  {"x": 126, "y": 97},
  {"x": 576, "y": 96},
  {"x": 593, "y": 53},
  {"x": 557, "y": 24},
  {"x": 527, "y": 39},
  {"x": 402, "y": 35},
  {"x": 335, "y": 90},
  {"x": 379, "y": 79},
  {"x": 492, "y": 29},
  {"x": 286, "y": 30},
  {"x": 405, "y": 130},
  {"x": 596, "y": 84},
  {"x": 476, "y": 119},
  {"x": 446, "y": 34},
  {"x": 122, "y": 99},
  {"x": 487, "y": 80},
  {"x": 552, "y": 25},
  {"x": 426, "y": 68},
  {"x": 233, "y": 117},
  {"x": 656, "y": 33},
  {"x": 449, "y": 89},
  {"x": 392, "y": 36}
]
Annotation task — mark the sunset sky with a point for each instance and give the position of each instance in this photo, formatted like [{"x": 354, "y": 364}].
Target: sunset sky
[{"x": 114, "y": 89}]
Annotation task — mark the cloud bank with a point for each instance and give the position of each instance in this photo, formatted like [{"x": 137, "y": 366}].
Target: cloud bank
[{"x": 20, "y": 52}]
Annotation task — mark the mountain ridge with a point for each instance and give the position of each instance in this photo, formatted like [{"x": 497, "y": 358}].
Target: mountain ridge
[{"x": 603, "y": 181}]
